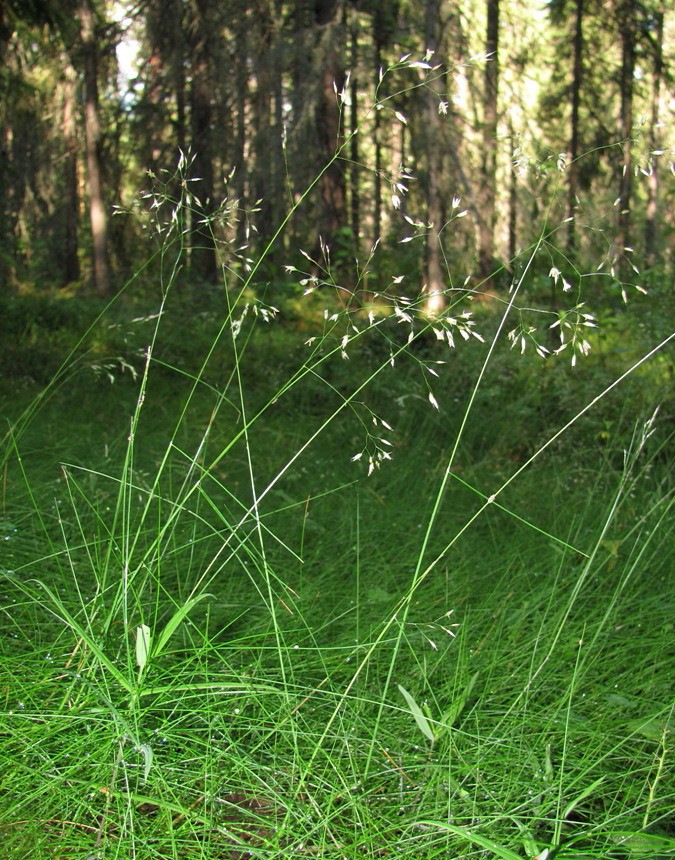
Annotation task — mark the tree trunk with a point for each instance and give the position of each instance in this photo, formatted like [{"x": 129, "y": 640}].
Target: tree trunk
[
  {"x": 279, "y": 134},
  {"x": 513, "y": 202},
  {"x": 377, "y": 141},
  {"x": 354, "y": 154},
  {"x": 573, "y": 167},
  {"x": 203, "y": 258},
  {"x": 330, "y": 129},
  {"x": 489, "y": 165},
  {"x": 626, "y": 16},
  {"x": 71, "y": 203},
  {"x": 161, "y": 112},
  {"x": 175, "y": 62},
  {"x": 303, "y": 150},
  {"x": 435, "y": 283},
  {"x": 651, "y": 254},
  {"x": 263, "y": 168},
  {"x": 92, "y": 125},
  {"x": 241, "y": 96}
]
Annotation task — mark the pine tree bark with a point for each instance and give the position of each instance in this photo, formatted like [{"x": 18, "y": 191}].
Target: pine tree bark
[
  {"x": 263, "y": 180},
  {"x": 573, "y": 166},
  {"x": 354, "y": 183},
  {"x": 513, "y": 201},
  {"x": 203, "y": 258},
  {"x": 328, "y": 116},
  {"x": 278, "y": 132},
  {"x": 435, "y": 283},
  {"x": 377, "y": 139},
  {"x": 489, "y": 165},
  {"x": 92, "y": 124},
  {"x": 651, "y": 232},
  {"x": 303, "y": 148},
  {"x": 240, "y": 131},
  {"x": 626, "y": 12},
  {"x": 71, "y": 203}
]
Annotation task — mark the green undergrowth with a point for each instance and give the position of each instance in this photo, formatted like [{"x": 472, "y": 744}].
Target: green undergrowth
[
  {"x": 195, "y": 667},
  {"x": 339, "y": 579}
]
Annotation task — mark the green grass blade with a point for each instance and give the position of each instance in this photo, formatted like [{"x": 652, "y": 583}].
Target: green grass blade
[
  {"x": 474, "y": 838},
  {"x": 421, "y": 720}
]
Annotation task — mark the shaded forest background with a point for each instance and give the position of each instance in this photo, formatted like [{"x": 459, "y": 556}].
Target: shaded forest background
[{"x": 480, "y": 128}]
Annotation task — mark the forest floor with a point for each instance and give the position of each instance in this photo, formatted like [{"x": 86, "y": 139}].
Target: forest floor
[{"x": 222, "y": 639}]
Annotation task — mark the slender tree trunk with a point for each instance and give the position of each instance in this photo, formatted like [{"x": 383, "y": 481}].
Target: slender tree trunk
[
  {"x": 377, "y": 140},
  {"x": 626, "y": 15},
  {"x": 163, "y": 106},
  {"x": 154, "y": 107},
  {"x": 179, "y": 87},
  {"x": 303, "y": 147},
  {"x": 573, "y": 169},
  {"x": 241, "y": 95},
  {"x": 651, "y": 255},
  {"x": 71, "y": 261},
  {"x": 278, "y": 140},
  {"x": 6, "y": 238},
  {"x": 263, "y": 166},
  {"x": 334, "y": 214},
  {"x": 513, "y": 201},
  {"x": 203, "y": 259},
  {"x": 92, "y": 124},
  {"x": 354, "y": 183},
  {"x": 435, "y": 282},
  {"x": 7, "y": 218},
  {"x": 489, "y": 166}
]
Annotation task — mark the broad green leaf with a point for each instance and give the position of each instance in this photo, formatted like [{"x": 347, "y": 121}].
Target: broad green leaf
[
  {"x": 452, "y": 714},
  {"x": 146, "y": 752},
  {"x": 653, "y": 728},
  {"x": 645, "y": 844},
  {"x": 175, "y": 622},
  {"x": 418, "y": 714},
  {"x": 474, "y": 839},
  {"x": 143, "y": 639},
  {"x": 584, "y": 794},
  {"x": 530, "y": 844}
]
